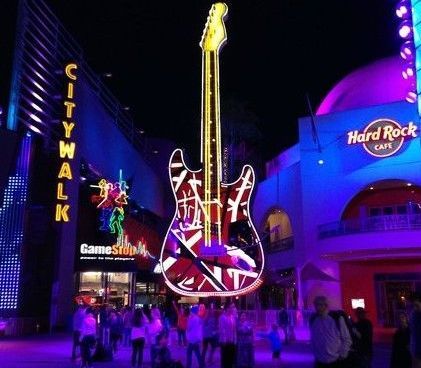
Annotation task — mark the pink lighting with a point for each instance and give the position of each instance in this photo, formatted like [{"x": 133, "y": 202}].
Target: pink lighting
[
  {"x": 406, "y": 51},
  {"x": 408, "y": 72},
  {"x": 405, "y": 30},
  {"x": 368, "y": 86},
  {"x": 402, "y": 10},
  {"x": 411, "y": 97}
]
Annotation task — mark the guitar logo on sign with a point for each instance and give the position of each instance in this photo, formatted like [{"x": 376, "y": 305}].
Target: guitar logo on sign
[{"x": 211, "y": 247}]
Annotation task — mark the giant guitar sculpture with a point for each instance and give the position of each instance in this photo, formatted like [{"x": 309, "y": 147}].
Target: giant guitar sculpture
[{"x": 211, "y": 247}]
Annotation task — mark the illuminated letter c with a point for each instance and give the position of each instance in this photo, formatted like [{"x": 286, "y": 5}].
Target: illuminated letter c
[{"x": 69, "y": 70}]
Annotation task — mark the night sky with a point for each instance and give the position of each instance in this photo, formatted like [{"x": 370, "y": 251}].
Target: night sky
[{"x": 277, "y": 51}]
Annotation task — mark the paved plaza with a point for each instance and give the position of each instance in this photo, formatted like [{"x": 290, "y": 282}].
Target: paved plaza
[{"x": 54, "y": 351}]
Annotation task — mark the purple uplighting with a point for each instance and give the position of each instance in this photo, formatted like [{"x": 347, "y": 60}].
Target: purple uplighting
[{"x": 367, "y": 86}]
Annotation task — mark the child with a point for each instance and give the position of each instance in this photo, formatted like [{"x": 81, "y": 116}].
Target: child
[
  {"x": 162, "y": 356},
  {"x": 275, "y": 341}
]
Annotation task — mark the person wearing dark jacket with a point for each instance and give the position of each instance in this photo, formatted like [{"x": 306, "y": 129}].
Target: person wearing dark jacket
[
  {"x": 363, "y": 329},
  {"x": 401, "y": 356},
  {"x": 415, "y": 330}
]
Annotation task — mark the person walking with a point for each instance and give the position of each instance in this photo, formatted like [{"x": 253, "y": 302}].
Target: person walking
[
  {"x": 88, "y": 338},
  {"x": 415, "y": 330},
  {"x": 137, "y": 336},
  {"x": 401, "y": 356},
  {"x": 275, "y": 343},
  {"x": 78, "y": 317},
  {"x": 194, "y": 337},
  {"x": 127, "y": 325},
  {"x": 330, "y": 338},
  {"x": 182, "y": 316},
  {"x": 116, "y": 329},
  {"x": 284, "y": 323},
  {"x": 363, "y": 330},
  {"x": 227, "y": 327},
  {"x": 210, "y": 333},
  {"x": 245, "y": 343},
  {"x": 154, "y": 328}
]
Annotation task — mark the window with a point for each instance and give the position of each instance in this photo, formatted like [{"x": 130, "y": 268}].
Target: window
[{"x": 279, "y": 231}]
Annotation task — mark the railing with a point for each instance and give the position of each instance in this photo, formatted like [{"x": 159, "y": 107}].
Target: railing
[
  {"x": 281, "y": 244},
  {"x": 370, "y": 224}
]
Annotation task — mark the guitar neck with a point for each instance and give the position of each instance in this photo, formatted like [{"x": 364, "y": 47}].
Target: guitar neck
[{"x": 211, "y": 125}]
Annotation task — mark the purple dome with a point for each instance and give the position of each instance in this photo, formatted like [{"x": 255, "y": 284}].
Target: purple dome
[{"x": 378, "y": 83}]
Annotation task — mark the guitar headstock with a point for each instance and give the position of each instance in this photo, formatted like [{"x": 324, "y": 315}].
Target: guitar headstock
[{"x": 214, "y": 35}]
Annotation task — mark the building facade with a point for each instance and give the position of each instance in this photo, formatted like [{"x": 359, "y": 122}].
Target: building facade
[{"x": 340, "y": 210}]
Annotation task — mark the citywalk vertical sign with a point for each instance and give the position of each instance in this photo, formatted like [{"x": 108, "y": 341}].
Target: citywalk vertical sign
[{"x": 67, "y": 146}]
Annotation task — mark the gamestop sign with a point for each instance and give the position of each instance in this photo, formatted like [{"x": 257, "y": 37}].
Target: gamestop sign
[{"x": 383, "y": 137}]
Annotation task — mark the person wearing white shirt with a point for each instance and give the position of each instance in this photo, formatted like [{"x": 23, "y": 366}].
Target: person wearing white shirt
[
  {"x": 137, "y": 336},
  {"x": 330, "y": 339},
  {"x": 194, "y": 336},
  {"x": 88, "y": 338}
]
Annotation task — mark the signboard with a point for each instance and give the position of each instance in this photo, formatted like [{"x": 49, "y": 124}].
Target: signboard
[
  {"x": 128, "y": 246},
  {"x": 383, "y": 137},
  {"x": 66, "y": 146}
]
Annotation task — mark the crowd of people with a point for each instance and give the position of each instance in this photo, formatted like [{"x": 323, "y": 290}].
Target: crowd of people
[
  {"x": 98, "y": 333},
  {"x": 338, "y": 341}
]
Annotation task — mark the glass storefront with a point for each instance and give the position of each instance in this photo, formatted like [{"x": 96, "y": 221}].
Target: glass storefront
[
  {"x": 106, "y": 287},
  {"x": 149, "y": 293}
]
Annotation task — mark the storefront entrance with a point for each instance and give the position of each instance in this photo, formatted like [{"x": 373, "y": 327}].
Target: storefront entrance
[
  {"x": 382, "y": 287},
  {"x": 106, "y": 287},
  {"x": 392, "y": 294}
]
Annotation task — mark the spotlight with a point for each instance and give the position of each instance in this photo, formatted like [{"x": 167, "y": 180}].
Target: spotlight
[
  {"x": 408, "y": 72},
  {"x": 407, "y": 51},
  {"x": 320, "y": 162},
  {"x": 411, "y": 97},
  {"x": 403, "y": 9},
  {"x": 405, "y": 29}
]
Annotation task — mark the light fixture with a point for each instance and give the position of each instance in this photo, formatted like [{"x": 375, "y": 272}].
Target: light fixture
[
  {"x": 411, "y": 97},
  {"x": 320, "y": 162},
  {"x": 107, "y": 75},
  {"x": 408, "y": 72},
  {"x": 406, "y": 51},
  {"x": 405, "y": 29},
  {"x": 403, "y": 9},
  {"x": 408, "y": 184},
  {"x": 371, "y": 188}
]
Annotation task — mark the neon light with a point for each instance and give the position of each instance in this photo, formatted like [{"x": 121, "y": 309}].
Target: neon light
[
  {"x": 197, "y": 225},
  {"x": 69, "y": 71},
  {"x": 62, "y": 212},
  {"x": 60, "y": 194},
  {"x": 382, "y": 137},
  {"x": 111, "y": 200},
  {"x": 68, "y": 128},
  {"x": 66, "y": 148},
  {"x": 69, "y": 108},
  {"x": 65, "y": 171}
]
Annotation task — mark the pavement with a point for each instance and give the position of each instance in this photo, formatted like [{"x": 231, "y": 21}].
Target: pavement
[{"x": 54, "y": 351}]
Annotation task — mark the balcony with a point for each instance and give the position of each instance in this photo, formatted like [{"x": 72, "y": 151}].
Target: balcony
[
  {"x": 280, "y": 244},
  {"x": 370, "y": 224}
]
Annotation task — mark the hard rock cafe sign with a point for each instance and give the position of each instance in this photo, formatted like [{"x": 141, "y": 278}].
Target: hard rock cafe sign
[{"x": 383, "y": 137}]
